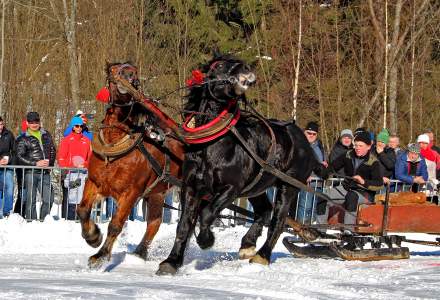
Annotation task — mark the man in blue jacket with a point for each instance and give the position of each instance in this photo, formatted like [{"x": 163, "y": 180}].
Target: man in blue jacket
[{"x": 411, "y": 167}]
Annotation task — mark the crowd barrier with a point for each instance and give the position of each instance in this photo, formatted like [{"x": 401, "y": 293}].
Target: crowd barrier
[{"x": 37, "y": 192}]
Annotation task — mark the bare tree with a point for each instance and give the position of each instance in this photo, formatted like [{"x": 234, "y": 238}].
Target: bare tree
[
  {"x": 2, "y": 58},
  {"x": 68, "y": 28},
  {"x": 298, "y": 61}
]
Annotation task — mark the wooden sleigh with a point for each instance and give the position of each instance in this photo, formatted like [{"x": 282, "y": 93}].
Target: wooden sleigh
[{"x": 368, "y": 239}]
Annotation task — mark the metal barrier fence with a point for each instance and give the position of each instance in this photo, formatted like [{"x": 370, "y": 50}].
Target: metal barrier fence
[
  {"x": 306, "y": 207},
  {"x": 36, "y": 192}
]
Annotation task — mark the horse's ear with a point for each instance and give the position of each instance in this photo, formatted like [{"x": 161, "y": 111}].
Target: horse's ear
[
  {"x": 107, "y": 66},
  {"x": 216, "y": 52}
]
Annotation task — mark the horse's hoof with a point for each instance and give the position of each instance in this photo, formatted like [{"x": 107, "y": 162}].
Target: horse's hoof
[
  {"x": 141, "y": 252},
  {"x": 97, "y": 262},
  {"x": 246, "y": 253},
  {"x": 94, "y": 239},
  {"x": 205, "y": 239},
  {"x": 257, "y": 259},
  {"x": 166, "y": 268}
]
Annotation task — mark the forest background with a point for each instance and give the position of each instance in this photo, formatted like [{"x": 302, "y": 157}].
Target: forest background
[{"x": 345, "y": 64}]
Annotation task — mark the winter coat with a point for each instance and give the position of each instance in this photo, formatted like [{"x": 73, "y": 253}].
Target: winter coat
[
  {"x": 74, "y": 145},
  {"x": 402, "y": 169},
  {"x": 387, "y": 160},
  {"x": 7, "y": 145},
  {"x": 29, "y": 150},
  {"x": 318, "y": 150},
  {"x": 85, "y": 132},
  {"x": 369, "y": 170},
  {"x": 338, "y": 150}
]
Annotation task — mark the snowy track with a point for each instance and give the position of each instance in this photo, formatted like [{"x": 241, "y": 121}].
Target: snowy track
[{"x": 48, "y": 261}]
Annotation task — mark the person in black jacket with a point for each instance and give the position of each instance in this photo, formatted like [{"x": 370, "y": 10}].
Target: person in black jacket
[
  {"x": 364, "y": 176},
  {"x": 36, "y": 148},
  {"x": 7, "y": 149},
  {"x": 385, "y": 155},
  {"x": 344, "y": 143}
]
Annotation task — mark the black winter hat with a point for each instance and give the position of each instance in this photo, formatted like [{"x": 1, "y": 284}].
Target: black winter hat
[
  {"x": 33, "y": 116},
  {"x": 363, "y": 136},
  {"x": 312, "y": 126},
  {"x": 360, "y": 129}
]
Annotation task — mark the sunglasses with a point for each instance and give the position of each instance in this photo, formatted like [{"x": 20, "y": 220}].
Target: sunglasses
[
  {"x": 33, "y": 122},
  {"x": 311, "y": 133},
  {"x": 77, "y": 126}
]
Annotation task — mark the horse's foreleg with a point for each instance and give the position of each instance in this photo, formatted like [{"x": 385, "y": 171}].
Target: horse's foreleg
[
  {"x": 154, "y": 220},
  {"x": 125, "y": 203},
  {"x": 262, "y": 209},
  {"x": 281, "y": 209},
  {"x": 221, "y": 200},
  {"x": 185, "y": 227},
  {"x": 90, "y": 231}
]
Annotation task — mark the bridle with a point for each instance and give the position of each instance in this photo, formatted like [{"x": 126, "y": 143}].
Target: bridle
[
  {"x": 223, "y": 79},
  {"x": 116, "y": 72}
]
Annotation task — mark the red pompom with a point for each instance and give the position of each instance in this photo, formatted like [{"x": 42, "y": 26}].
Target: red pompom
[
  {"x": 197, "y": 78},
  {"x": 103, "y": 95}
]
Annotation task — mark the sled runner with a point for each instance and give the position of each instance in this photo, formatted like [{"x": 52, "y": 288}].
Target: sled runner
[{"x": 368, "y": 239}]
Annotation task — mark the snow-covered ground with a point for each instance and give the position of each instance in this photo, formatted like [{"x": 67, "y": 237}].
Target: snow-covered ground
[{"x": 49, "y": 261}]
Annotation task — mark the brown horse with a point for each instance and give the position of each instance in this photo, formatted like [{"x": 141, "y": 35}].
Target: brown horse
[{"x": 131, "y": 173}]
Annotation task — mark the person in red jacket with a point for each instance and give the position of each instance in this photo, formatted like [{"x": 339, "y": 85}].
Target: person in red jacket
[{"x": 74, "y": 152}]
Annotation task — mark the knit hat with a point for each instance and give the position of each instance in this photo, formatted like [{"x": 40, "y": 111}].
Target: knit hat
[
  {"x": 312, "y": 126},
  {"x": 363, "y": 136},
  {"x": 76, "y": 121},
  {"x": 383, "y": 136},
  {"x": 414, "y": 147},
  {"x": 347, "y": 133},
  {"x": 360, "y": 129},
  {"x": 423, "y": 138}
]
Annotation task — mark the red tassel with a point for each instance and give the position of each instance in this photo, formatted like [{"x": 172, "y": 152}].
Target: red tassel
[{"x": 103, "y": 95}]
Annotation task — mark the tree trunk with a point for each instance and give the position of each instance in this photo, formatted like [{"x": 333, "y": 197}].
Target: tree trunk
[
  {"x": 69, "y": 25},
  {"x": 297, "y": 65},
  {"x": 394, "y": 69},
  {"x": 2, "y": 58}
]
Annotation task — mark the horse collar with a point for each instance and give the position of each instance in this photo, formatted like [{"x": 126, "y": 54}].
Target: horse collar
[{"x": 213, "y": 129}]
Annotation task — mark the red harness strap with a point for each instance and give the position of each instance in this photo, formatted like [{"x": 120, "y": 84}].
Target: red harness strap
[{"x": 210, "y": 124}]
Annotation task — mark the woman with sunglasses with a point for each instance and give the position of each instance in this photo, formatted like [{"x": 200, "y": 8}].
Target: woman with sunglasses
[{"x": 74, "y": 153}]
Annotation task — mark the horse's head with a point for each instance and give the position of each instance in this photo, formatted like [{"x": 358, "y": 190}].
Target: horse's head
[
  {"x": 119, "y": 94},
  {"x": 228, "y": 77}
]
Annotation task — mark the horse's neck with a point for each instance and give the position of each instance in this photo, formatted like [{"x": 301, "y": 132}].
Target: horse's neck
[
  {"x": 209, "y": 109},
  {"x": 114, "y": 129}
]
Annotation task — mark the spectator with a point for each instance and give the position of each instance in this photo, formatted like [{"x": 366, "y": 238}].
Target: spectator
[
  {"x": 20, "y": 205},
  {"x": 306, "y": 200},
  {"x": 386, "y": 155},
  {"x": 74, "y": 152},
  {"x": 394, "y": 143},
  {"x": 344, "y": 143},
  {"x": 36, "y": 148},
  {"x": 433, "y": 146},
  {"x": 411, "y": 167},
  {"x": 430, "y": 133},
  {"x": 431, "y": 157},
  {"x": 85, "y": 129},
  {"x": 366, "y": 178},
  {"x": 7, "y": 149}
]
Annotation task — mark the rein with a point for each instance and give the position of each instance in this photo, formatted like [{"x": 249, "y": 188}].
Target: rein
[{"x": 268, "y": 167}]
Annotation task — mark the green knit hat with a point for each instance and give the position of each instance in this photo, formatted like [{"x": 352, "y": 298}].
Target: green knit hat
[{"x": 383, "y": 136}]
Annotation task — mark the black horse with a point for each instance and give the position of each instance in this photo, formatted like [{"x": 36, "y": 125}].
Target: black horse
[{"x": 218, "y": 172}]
